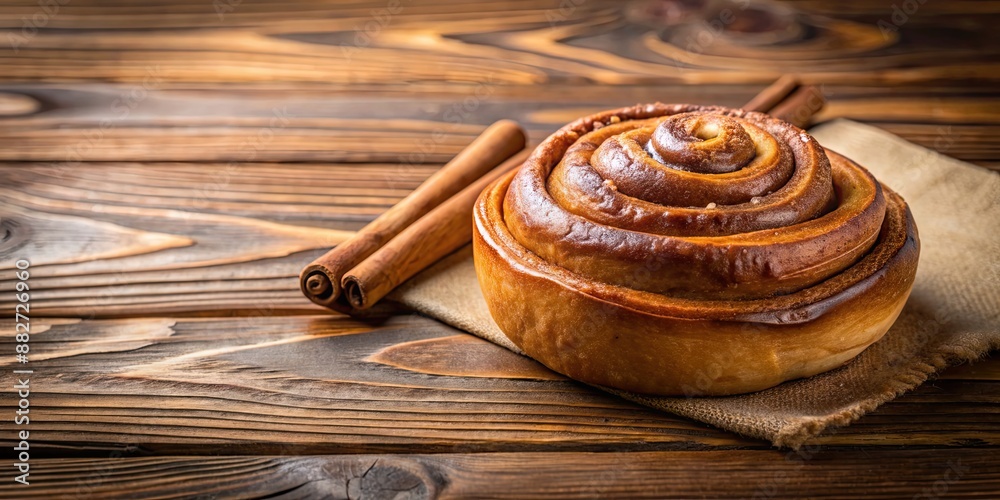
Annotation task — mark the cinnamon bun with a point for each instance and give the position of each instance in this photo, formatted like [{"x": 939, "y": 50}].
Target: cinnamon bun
[{"x": 680, "y": 249}]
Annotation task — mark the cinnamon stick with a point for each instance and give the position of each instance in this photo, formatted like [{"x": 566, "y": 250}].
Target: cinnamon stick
[
  {"x": 787, "y": 99},
  {"x": 442, "y": 231},
  {"x": 773, "y": 94},
  {"x": 321, "y": 280},
  {"x": 799, "y": 108}
]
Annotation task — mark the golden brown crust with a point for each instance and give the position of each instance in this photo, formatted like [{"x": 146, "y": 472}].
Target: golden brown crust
[{"x": 617, "y": 290}]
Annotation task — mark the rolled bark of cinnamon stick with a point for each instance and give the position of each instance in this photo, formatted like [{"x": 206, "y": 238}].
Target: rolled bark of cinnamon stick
[
  {"x": 799, "y": 108},
  {"x": 787, "y": 99},
  {"x": 442, "y": 231},
  {"x": 773, "y": 94},
  {"x": 321, "y": 280}
]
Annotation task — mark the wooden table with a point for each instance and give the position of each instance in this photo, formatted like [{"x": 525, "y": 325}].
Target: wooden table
[{"x": 168, "y": 167}]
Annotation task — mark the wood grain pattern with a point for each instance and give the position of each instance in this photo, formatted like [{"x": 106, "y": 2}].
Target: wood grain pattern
[
  {"x": 331, "y": 384},
  {"x": 691, "y": 474},
  {"x": 168, "y": 167},
  {"x": 519, "y": 42},
  {"x": 236, "y": 126},
  {"x": 225, "y": 238},
  {"x": 314, "y": 384}
]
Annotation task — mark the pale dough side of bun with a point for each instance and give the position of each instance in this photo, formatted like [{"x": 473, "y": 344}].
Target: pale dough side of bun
[{"x": 598, "y": 341}]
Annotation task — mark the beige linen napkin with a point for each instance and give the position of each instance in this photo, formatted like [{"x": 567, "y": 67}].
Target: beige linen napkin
[{"x": 952, "y": 316}]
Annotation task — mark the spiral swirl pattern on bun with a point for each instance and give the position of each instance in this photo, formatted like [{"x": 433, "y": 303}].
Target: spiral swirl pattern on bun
[{"x": 669, "y": 249}]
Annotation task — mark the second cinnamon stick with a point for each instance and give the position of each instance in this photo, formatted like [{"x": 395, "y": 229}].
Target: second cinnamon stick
[
  {"x": 799, "y": 108},
  {"x": 440, "y": 232},
  {"x": 773, "y": 94},
  {"x": 787, "y": 99}
]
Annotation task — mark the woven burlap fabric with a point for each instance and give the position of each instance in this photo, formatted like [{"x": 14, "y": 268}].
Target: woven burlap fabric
[{"x": 952, "y": 316}]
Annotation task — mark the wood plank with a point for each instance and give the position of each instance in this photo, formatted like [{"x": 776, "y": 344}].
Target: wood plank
[
  {"x": 406, "y": 384},
  {"x": 129, "y": 239},
  {"x": 99, "y": 122},
  {"x": 519, "y": 42},
  {"x": 816, "y": 473}
]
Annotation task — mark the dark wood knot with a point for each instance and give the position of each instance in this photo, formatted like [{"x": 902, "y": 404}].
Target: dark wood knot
[
  {"x": 391, "y": 478},
  {"x": 13, "y": 235}
]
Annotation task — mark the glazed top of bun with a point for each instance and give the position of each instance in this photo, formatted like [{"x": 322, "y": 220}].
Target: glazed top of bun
[{"x": 684, "y": 204}]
